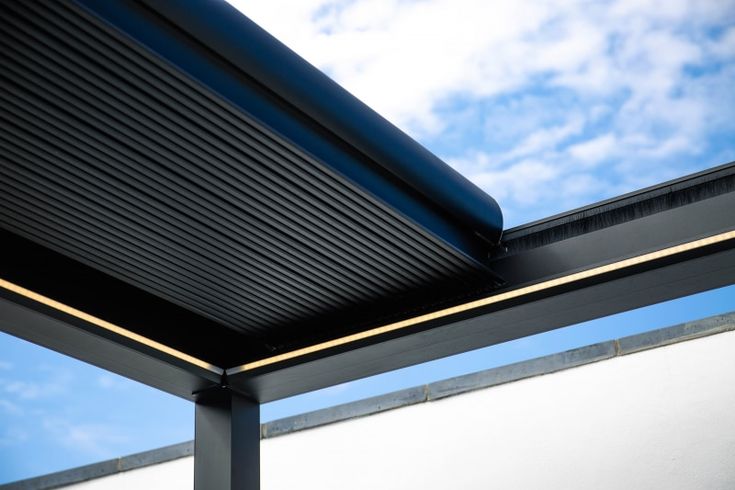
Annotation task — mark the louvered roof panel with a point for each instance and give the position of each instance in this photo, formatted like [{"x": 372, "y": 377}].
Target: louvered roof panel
[{"x": 118, "y": 159}]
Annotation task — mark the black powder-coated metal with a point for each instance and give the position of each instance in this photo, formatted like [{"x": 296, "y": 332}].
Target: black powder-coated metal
[
  {"x": 211, "y": 205},
  {"x": 226, "y": 442},
  {"x": 279, "y": 68},
  {"x": 87, "y": 342},
  {"x": 699, "y": 206},
  {"x": 132, "y": 190},
  {"x": 229, "y": 204},
  {"x": 694, "y": 207}
]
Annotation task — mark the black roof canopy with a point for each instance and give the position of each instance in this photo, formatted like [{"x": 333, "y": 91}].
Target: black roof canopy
[
  {"x": 204, "y": 186},
  {"x": 185, "y": 201}
]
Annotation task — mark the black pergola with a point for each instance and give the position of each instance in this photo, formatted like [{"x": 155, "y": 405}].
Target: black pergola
[{"x": 186, "y": 202}]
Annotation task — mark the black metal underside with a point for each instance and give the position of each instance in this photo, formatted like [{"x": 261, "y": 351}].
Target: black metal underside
[
  {"x": 164, "y": 189},
  {"x": 670, "y": 214},
  {"x": 114, "y": 158},
  {"x": 619, "y": 210}
]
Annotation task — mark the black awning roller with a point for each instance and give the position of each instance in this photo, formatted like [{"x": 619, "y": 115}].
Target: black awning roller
[{"x": 243, "y": 43}]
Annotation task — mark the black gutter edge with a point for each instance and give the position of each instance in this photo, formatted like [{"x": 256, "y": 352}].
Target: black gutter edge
[
  {"x": 227, "y": 31},
  {"x": 637, "y": 204},
  {"x": 410, "y": 396}
]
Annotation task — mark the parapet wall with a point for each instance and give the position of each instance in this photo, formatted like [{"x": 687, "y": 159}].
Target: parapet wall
[{"x": 649, "y": 411}]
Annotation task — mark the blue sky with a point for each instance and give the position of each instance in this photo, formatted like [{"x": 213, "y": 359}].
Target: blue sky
[{"x": 545, "y": 105}]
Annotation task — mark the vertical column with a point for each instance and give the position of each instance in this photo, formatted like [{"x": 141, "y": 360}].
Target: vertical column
[{"x": 226, "y": 441}]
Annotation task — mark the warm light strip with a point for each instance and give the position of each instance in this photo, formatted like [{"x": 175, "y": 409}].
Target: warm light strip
[
  {"x": 107, "y": 326},
  {"x": 577, "y": 276}
]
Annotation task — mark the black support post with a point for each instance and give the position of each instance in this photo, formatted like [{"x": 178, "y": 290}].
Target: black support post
[{"x": 227, "y": 441}]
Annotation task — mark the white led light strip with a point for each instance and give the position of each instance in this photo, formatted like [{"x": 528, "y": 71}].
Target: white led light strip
[
  {"x": 391, "y": 327},
  {"x": 107, "y": 326},
  {"x": 516, "y": 293}
]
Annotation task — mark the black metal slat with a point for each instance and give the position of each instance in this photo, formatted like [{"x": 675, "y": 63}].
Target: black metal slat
[
  {"x": 324, "y": 216},
  {"x": 37, "y": 233},
  {"x": 73, "y": 225},
  {"x": 152, "y": 217},
  {"x": 239, "y": 198},
  {"x": 132, "y": 228},
  {"x": 107, "y": 127},
  {"x": 109, "y": 239},
  {"x": 37, "y": 119},
  {"x": 129, "y": 204},
  {"x": 345, "y": 242},
  {"x": 319, "y": 178},
  {"x": 100, "y": 144}
]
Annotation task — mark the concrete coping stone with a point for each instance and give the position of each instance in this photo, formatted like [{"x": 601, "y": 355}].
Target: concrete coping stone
[{"x": 104, "y": 468}]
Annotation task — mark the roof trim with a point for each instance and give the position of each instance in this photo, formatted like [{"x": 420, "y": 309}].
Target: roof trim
[
  {"x": 109, "y": 326},
  {"x": 411, "y": 396},
  {"x": 225, "y": 30},
  {"x": 637, "y": 204},
  {"x": 184, "y": 44},
  {"x": 653, "y": 250},
  {"x": 491, "y": 300}
]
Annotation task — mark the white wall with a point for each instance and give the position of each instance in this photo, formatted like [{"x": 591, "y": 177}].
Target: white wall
[
  {"x": 174, "y": 475},
  {"x": 663, "y": 418}
]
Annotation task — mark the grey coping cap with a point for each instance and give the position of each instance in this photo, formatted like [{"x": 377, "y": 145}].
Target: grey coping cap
[
  {"x": 104, "y": 468},
  {"x": 402, "y": 398}
]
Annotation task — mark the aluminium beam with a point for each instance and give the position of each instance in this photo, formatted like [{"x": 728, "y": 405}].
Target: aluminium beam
[
  {"x": 71, "y": 308},
  {"x": 92, "y": 340},
  {"x": 656, "y": 256},
  {"x": 659, "y": 244}
]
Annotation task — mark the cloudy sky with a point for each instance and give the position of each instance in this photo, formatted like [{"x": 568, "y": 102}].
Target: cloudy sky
[{"x": 547, "y": 105}]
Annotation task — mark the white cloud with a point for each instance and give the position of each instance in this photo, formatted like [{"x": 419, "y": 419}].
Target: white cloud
[
  {"x": 545, "y": 139},
  {"x": 559, "y": 90},
  {"x": 525, "y": 182},
  {"x": 593, "y": 151},
  {"x": 23, "y": 389},
  {"x": 12, "y": 436},
  {"x": 110, "y": 381},
  {"x": 580, "y": 185},
  {"x": 724, "y": 48},
  {"x": 9, "y": 407},
  {"x": 446, "y": 48},
  {"x": 96, "y": 439},
  {"x": 55, "y": 383}
]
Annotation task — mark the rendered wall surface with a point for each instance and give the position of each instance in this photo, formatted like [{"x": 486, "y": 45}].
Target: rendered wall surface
[
  {"x": 178, "y": 474},
  {"x": 661, "y": 418}
]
